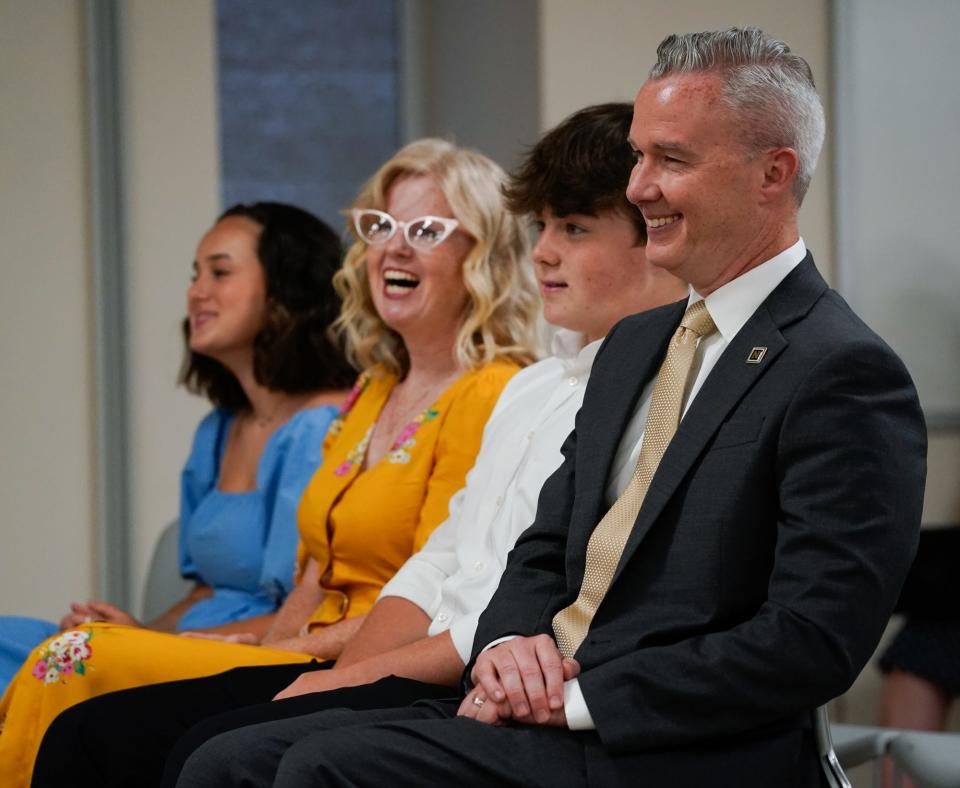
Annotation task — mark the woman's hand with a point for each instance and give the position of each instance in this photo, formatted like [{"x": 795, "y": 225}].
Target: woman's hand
[
  {"x": 297, "y": 607},
  {"x": 297, "y": 644},
  {"x": 244, "y": 638},
  {"x": 94, "y": 610},
  {"x": 316, "y": 681}
]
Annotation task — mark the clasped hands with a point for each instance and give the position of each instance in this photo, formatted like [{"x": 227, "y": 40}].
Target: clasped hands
[
  {"x": 86, "y": 612},
  {"x": 94, "y": 610},
  {"x": 520, "y": 680}
]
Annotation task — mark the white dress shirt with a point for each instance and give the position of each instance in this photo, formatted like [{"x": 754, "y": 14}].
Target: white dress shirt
[
  {"x": 454, "y": 575},
  {"x": 730, "y": 307}
]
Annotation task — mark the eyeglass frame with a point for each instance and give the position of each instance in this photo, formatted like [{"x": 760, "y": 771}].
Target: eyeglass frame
[{"x": 449, "y": 225}]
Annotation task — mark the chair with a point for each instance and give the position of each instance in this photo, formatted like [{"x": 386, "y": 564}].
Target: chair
[
  {"x": 164, "y": 585},
  {"x": 932, "y": 760},
  {"x": 858, "y": 744},
  {"x": 828, "y": 758}
]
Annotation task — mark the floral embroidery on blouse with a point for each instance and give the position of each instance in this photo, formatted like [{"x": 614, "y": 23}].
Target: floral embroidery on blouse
[
  {"x": 62, "y": 656},
  {"x": 355, "y": 455},
  {"x": 337, "y": 424},
  {"x": 399, "y": 453}
]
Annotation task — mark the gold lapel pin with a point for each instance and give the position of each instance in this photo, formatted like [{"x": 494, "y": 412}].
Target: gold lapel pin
[{"x": 756, "y": 355}]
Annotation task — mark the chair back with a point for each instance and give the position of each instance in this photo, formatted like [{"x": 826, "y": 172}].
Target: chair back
[
  {"x": 164, "y": 585},
  {"x": 828, "y": 758}
]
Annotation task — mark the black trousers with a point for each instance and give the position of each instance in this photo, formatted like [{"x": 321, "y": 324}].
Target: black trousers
[
  {"x": 419, "y": 745},
  {"x": 391, "y": 693},
  {"x": 124, "y": 738},
  {"x": 425, "y": 744}
]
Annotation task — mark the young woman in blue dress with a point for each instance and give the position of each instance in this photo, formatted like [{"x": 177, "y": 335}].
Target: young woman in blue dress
[{"x": 258, "y": 308}]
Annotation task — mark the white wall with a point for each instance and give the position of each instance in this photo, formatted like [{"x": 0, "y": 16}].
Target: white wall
[
  {"x": 48, "y": 484},
  {"x": 173, "y": 174},
  {"x": 47, "y": 479},
  {"x": 942, "y": 503},
  {"x": 471, "y": 71}
]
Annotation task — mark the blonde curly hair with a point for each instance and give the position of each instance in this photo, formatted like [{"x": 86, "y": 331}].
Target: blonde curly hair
[{"x": 501, "y": 316}]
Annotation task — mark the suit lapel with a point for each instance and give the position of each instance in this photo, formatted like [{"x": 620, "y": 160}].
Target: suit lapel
[
  {"x": 729, "y": 380},
  {"x": 639, "y": 351}
]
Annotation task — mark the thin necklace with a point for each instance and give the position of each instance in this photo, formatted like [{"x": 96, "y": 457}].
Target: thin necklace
[
  {"x": 265, "y": 420},
  {"x": 403, "y": 416},
  {"x": 431, "y": 392}
]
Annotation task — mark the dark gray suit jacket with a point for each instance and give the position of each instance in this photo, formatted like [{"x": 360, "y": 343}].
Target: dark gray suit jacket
[{"x": 771, "y": 546}]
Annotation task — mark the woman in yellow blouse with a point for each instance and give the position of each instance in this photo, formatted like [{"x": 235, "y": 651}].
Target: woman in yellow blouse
[{"x": 439, "y": 309}]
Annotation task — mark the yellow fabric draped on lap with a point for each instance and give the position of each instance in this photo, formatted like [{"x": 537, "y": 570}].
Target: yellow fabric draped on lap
[{"x": 359, "y": 526}]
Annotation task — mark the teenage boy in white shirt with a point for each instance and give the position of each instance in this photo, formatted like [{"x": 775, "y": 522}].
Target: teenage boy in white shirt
[{"x": 591, "y": 264}]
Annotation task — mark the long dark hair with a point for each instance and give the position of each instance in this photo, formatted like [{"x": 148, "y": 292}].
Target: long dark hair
[{"x": 294, "y": 351}]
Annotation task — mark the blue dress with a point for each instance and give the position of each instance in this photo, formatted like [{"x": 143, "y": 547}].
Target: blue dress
[{"x": 242, "y": 545}]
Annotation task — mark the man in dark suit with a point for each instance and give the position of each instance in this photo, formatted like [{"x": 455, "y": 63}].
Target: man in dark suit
[{"x": 689, "y": 593}]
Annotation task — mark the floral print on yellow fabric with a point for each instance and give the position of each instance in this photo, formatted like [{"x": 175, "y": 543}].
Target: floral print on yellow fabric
[{"x": 64, "y": 656}]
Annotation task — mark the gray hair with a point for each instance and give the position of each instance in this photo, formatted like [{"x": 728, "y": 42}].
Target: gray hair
[{"x": 770, "y": 89}]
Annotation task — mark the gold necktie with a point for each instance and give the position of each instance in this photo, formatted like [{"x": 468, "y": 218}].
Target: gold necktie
[{"x": 608, "y": 539}]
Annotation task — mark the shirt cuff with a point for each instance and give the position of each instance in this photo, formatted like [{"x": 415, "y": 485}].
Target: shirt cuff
[
  {"x": 497, "y": 642},
  {"x": 462, "y": 632},
  {"x": 575, "y": 707}
]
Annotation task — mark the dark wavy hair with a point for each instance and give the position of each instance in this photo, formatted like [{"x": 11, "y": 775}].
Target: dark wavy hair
[
  {"x": 294, "y": 351},
  {"x": 581, "y": 165}
]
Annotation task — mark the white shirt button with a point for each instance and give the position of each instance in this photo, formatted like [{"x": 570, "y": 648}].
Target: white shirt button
[
  {"x": 478, "y": 566},
  {"x": 442, "y": 617},
  {"x": 530, "y": 435},
  {"x": 499, "y": 500},
  {"x": 572, "y": 380}
]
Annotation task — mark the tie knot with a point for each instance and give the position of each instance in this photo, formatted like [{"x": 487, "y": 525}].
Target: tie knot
[{"x": 697, "y": 319}]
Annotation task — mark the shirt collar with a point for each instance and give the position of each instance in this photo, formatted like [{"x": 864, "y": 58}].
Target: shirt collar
[
  {"x": 731, "y": 305},
  {"x": 571, "y": 348}
]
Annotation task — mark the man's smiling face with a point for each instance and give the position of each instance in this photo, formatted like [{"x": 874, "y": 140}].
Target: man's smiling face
[{"x": 698, "y": 190}]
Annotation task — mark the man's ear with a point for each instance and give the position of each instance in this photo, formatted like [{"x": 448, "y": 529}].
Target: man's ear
[{"x": 779, "y": 172}]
